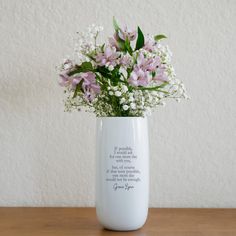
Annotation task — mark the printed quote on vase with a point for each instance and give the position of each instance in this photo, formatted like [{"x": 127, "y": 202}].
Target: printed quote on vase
[{"x": 122, "y": 171}]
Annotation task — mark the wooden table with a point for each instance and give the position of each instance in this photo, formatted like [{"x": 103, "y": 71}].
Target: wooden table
[{"x": 83, "y": 222}]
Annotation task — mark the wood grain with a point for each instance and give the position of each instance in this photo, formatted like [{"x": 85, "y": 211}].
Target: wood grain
[{"x": 82, "y": 221}]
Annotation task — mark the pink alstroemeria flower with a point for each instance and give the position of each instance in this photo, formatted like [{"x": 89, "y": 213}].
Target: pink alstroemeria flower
[
  {"x": 65, "y": 80},
  {"x": 68, "y": 65},
  {"x": 113, "y": 41},
  {"x": 149, "y": 44},
  {"x": 139, "y": 77},
  {"x": 109, "y": 57},
  {"x": 125, "y": 60},
  {"x": 125, "y": 34},
  {"x": 122, "y": 35},
  {"x": 89, "y": 85},
  {"x": 148, "y": 64},
  {"x": 160, "y": 75},
  {"x": 75, "y": 80}
]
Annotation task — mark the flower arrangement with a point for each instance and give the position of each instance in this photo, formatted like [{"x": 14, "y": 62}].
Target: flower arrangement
[{"x": 127, "y": 76}]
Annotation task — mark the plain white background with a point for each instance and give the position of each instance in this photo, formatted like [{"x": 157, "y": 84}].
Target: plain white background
[{"x": 47, "y": 157}]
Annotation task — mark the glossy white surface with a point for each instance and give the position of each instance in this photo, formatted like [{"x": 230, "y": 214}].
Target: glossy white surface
[{"x": 122, "y": 173}]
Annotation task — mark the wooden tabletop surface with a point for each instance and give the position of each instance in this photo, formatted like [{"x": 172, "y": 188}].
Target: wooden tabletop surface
[{"x": 83, "y": 222}]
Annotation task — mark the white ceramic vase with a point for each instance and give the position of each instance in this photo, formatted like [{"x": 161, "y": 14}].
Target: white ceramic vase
[{"x": 122, "y": 172}]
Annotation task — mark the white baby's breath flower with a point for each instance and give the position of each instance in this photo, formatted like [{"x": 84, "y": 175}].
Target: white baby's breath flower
[
  {"x": 180, "y": 91},
  {"x": 132, "y": 105},
  {"x": 110, "y": 67},
  {"x": 118, "y": 93},
  {"x": 156, "y": 100},
  {"x": 123, "y": 71},
  {"x": 154, "y": 93},
  {"x": 182, "y": 86},
  {"x": 131, "y": 99},
  {"x": 111, "y": 93},
  {"x": 101, "y": 28},
  {"x": 175, "y": 87},
  {"x": 122, "y": 100},
  {"x": 124, "y": 88},
  {"x": 150, "y": 99},
  {"x": 125, "y": 107},
  {"x": 186, "y": 96},
  {"x": 98, "y": 28}
]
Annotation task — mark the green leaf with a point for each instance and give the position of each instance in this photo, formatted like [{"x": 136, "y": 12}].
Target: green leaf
[
  {"x": 140, "y": 40},
  {"x": 87, "y": 66},
  {"x": 84, "y": 67},
  {"x": 155, "y": 87},
  {"x": 77, "y": 89},
  {"x": 102, "y": 47},
  {"x": 159, "y": 37},
  {"x": 121, "y": 44},
  {"x": 162, "y": 85},
  {"x": 128, "y": 47},
  {"x": 115, "y": 24},
  {"x": 104, "y": 71}
]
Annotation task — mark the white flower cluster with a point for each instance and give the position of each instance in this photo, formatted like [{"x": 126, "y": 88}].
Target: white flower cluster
[
  {"x": 136, "y": 102},
  {"x": 86, "y": 42}
]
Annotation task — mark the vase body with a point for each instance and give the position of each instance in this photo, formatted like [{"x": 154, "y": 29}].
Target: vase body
[{"x": 122, "y": 172}]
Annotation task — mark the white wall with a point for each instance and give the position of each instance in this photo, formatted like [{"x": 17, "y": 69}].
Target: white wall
[{"x": 47, "y": 157}]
